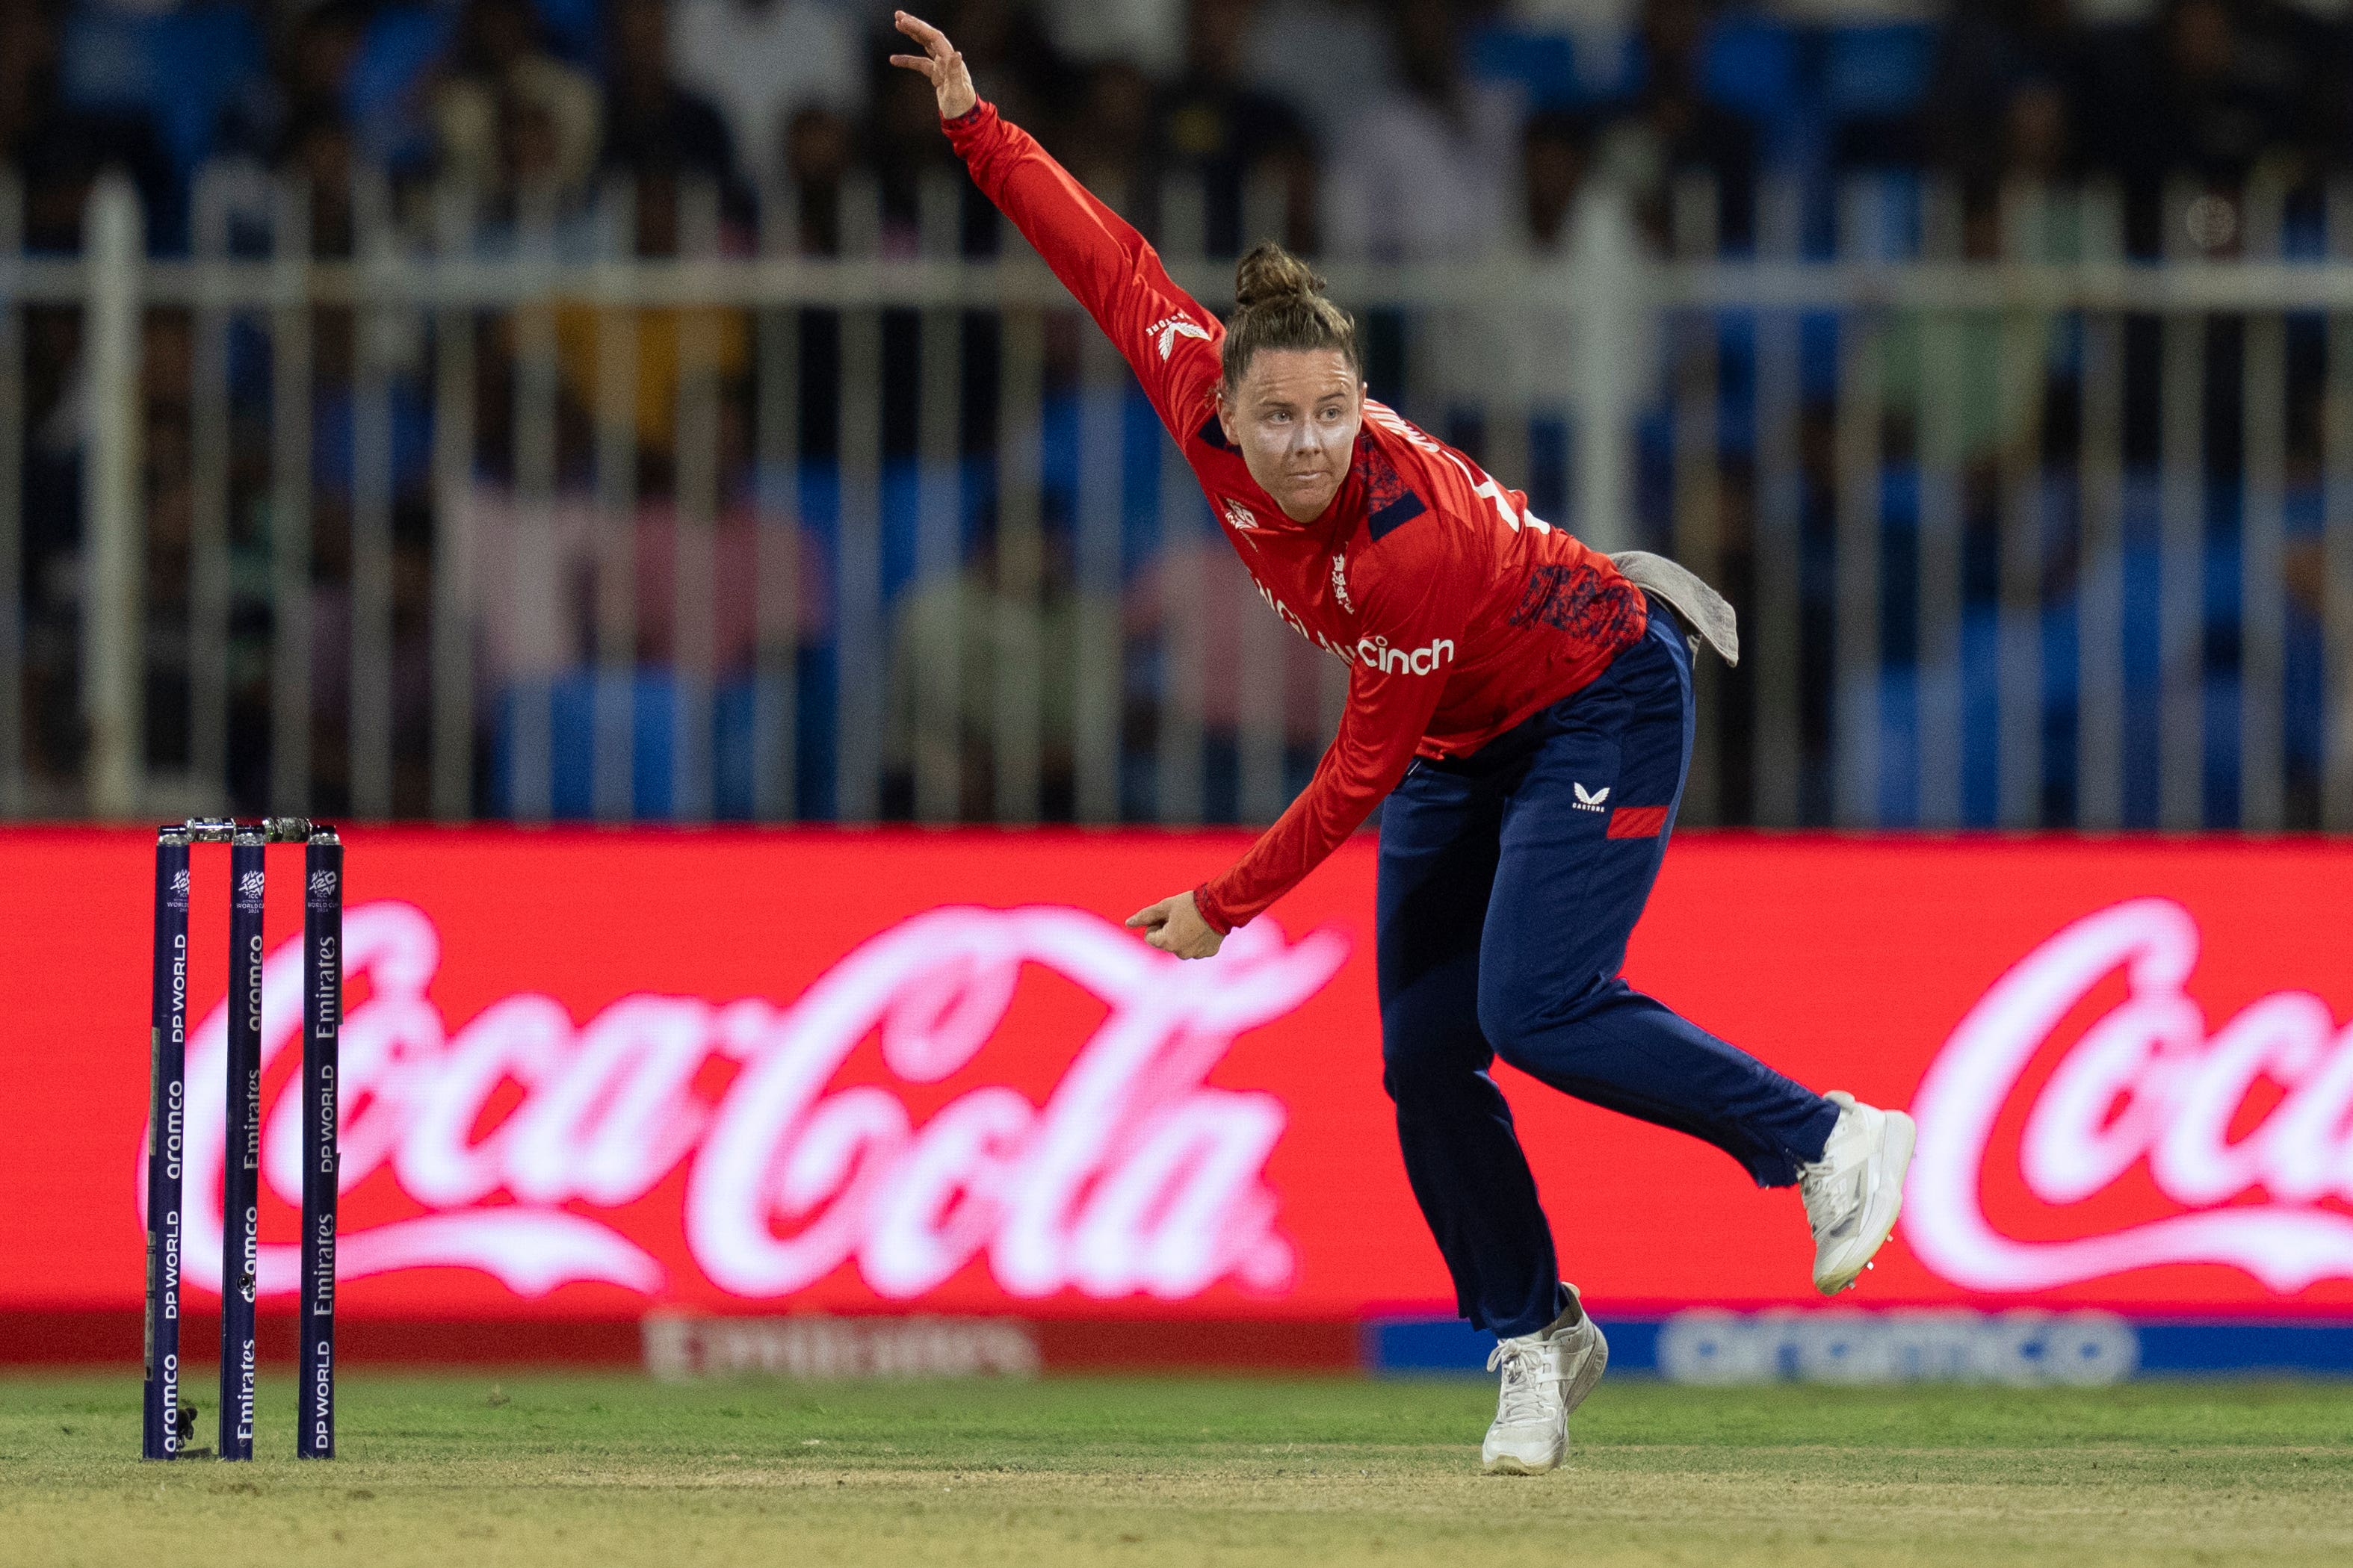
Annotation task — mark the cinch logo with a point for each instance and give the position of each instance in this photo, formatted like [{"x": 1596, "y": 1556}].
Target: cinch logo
[
  {"x": 1375, "y": 653},
  {"x": 1597, "y": 800},
  {"x": 1165, "y": 331}
]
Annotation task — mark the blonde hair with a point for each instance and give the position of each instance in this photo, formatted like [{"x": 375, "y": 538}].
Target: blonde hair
[{"x": 1278, "y": 303}]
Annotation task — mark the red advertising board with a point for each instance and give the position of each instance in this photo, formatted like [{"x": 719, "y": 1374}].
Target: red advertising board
[{"x": 589, "y": 1075}]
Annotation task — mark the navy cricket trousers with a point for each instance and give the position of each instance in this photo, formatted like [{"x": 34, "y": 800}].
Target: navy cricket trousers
[{"x": 1510, "y": 880}]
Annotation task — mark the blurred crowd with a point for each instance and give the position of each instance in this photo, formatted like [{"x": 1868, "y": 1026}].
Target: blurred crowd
[
  {"x": 1413, "y": 130},
  {"x": 1405, "y": 128}
]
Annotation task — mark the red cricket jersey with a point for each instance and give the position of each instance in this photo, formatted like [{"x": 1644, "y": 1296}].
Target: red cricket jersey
[{"x": 1458, "y": 613}]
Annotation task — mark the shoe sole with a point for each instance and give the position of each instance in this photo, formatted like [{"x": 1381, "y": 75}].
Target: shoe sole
[
  {"x": 1900, "y": 1138},
  {"x": 1572, "y": 1395}
]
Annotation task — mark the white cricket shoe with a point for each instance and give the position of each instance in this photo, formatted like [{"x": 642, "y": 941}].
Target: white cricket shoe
[
  {"x": 1855, "y": 1190},
  {"x": 1547, "y": 1375}
]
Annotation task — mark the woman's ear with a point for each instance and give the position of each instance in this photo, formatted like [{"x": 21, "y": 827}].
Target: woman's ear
[{"x": 1226, "y": 417}]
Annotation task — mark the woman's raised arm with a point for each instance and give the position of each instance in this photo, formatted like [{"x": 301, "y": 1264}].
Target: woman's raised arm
[{"x": 1166, "y": 336}]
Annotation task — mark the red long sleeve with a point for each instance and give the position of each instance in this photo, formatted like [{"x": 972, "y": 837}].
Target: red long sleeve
[
  {"x": 1166, "y": 336},
  {"x": 1410, "y": 618}
]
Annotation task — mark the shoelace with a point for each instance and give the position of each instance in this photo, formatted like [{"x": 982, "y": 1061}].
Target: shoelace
[
  {"x": 1526, "y": 1367},
  {"x": 1830, "y": 1212}
]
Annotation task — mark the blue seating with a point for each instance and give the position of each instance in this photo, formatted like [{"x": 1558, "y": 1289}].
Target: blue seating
[
  {"x": 1545, "y": 64},
  {"x": 1882, "y": 68},
  {"x": 178, "y": 68},
  {"x": 574, "y": 28},
  {"x": 1752, "y": 65},
  {"x": 571, "y": 699},
  {"x": 401, "y": 44}
]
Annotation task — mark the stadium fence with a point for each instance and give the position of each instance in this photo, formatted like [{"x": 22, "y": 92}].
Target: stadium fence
[{"x": 2023, "y": 533}]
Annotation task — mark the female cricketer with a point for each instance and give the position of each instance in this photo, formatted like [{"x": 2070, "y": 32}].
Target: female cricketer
[{"x": 1523, "y": 703}]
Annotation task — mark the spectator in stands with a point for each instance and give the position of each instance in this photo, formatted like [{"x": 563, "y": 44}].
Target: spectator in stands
[
  {"x": 531, "y": 154},
  {"x": 654, "y": 128},
  {"x": 964, "y": 628},
  {"x": 1989, "y": 52},
  {"x": 2038, "y": 132},
  {"x": 1326, "y": 59},
  {"x": 1146, "y": 33},
  {"x": 320, "y": 150},
  {"x": 311, "y": 58},
  {"x": 1423, "y": 172},
  {"x": 1670, "y": 129},
  {"x": 2204, "y": 95},
  {"x": 60, "y": 150},
  {"x": 504, "y": 106},
  {"x": 820, "y": 148},
  {"x": 1530, "y": 365},
  {"x": 667, "y": 339},
  {"x": 672, "y": 142},
  {"x": 760, "y": 62},
  {"x": 2024, "y": 137},
  {"x": 1556, "y": 152},
  {"x": 1106, "y": 140},
  {"x": 1211, "y": 124}
]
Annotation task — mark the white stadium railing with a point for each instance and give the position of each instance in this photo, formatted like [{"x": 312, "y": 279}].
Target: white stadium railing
[{"x": 2009, "y": 546}]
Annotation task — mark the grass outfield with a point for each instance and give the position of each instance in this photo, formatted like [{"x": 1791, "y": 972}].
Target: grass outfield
[{"x": 465, "y": 1472}]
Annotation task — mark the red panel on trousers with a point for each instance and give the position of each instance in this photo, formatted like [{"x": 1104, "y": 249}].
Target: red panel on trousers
[
  {"x": 587, "y": 1076},
  {"x": 1638, "y": 822}
]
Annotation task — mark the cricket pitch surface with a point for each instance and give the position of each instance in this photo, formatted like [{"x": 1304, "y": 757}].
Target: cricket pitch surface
[{"x": 476, "y": 1471}]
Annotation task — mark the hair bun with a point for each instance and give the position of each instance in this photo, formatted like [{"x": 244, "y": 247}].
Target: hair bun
[{"x": 1268, "y": 273}]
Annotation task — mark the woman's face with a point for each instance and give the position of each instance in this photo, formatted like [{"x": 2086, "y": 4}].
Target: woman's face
[{"x": 1295, "y": 417}]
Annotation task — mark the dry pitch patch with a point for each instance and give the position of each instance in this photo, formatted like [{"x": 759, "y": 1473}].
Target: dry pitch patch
[{"x": 459, "y": 1472}]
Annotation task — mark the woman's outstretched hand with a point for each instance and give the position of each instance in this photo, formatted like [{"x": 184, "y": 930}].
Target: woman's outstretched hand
[
  {"x": 941, "y": 65},
  {"x": 1175, "y": 925}
]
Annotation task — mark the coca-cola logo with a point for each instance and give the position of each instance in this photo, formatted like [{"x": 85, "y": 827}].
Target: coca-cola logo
[
  {"x": 2144, "y": 1087},
  {"x": 512, "y": 1133}
]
